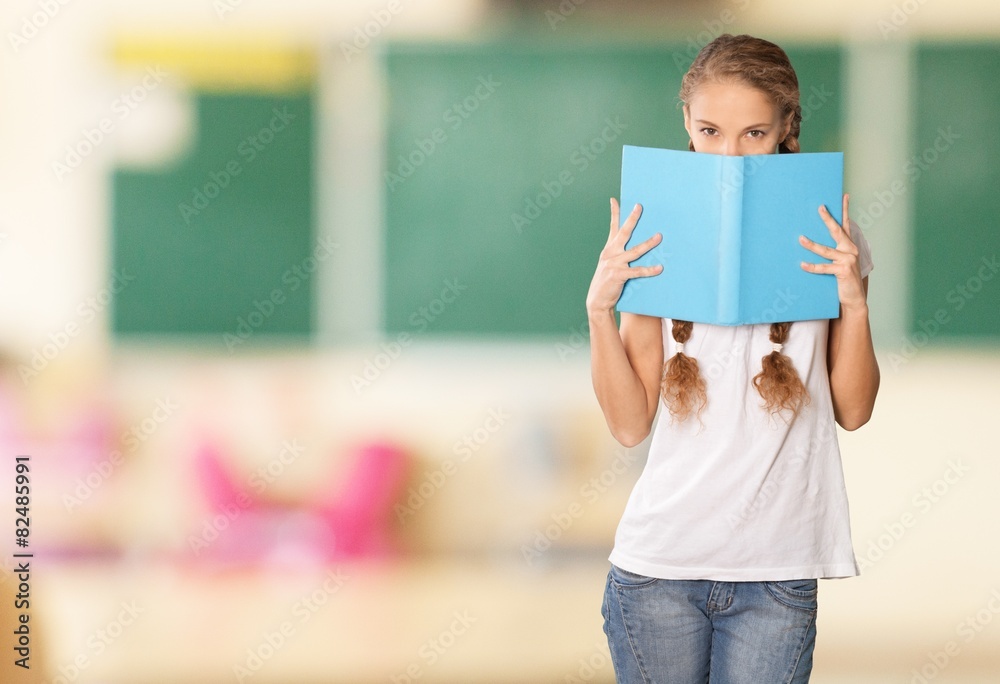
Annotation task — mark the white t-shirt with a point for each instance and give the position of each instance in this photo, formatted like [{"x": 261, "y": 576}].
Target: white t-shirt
[{"x": 748, "y": 496}]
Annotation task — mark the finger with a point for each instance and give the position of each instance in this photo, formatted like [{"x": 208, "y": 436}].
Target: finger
[
  {"x": 847, "y": 220},
  {"x": 614, "y": 218},
  {"x": 820, "y": 249},
  {"x": 644, "y": 271},
  {"x": 818, "y": 268},
  {"x": 630, "y": 223},
  {"x": 831, "y": 223},
  {"x": 841, "y": 237},
  {"x": 643, "y": 247}
]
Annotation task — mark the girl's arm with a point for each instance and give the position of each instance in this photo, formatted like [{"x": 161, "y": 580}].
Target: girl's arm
[
  {"x": 854, "y": 374},
  {"x": 626, "y": 365},
  {"x": 626, "y": 371}
]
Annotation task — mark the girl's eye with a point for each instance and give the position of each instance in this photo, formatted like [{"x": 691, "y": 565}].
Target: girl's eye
[
  {"x": 708, "y": 131},
  {"x": 757, "y": 136}
]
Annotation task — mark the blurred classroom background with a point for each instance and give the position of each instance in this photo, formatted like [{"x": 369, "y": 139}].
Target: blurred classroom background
[{"x": 294, "y": 329}]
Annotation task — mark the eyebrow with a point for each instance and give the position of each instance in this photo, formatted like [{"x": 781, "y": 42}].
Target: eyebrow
[{"x": 760, "y": 125}]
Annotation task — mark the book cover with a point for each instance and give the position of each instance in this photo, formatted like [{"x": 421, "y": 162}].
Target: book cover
[{"x": 731, "y": 226}]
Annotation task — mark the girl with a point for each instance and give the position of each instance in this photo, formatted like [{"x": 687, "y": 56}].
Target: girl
[{"x": 741, "y": 505}]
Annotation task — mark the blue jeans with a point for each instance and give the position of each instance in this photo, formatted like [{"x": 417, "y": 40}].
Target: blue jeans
[{"x": 664, "y": 631}]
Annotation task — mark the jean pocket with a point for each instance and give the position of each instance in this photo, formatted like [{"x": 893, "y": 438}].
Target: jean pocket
[
  {"x": 796, "y": 593},
  {"x": 626, "y": 578}
]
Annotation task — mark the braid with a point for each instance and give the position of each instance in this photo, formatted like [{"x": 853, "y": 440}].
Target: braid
[
  {"x": 789, "y": 145},
  {"x": 791, "y": 142},
  {"x": 779, "y": 383},
  {"x": 682, "y": 385}
]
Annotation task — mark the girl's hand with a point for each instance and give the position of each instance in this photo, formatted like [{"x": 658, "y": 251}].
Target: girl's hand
[
  {"x": 613, "y": 266},
  {"x": 845, "y": 260}
]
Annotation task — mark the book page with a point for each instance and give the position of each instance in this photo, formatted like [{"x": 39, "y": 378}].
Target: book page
[
  {"x": 680, "y": 195},
  {"x": 781, "y": 197}
]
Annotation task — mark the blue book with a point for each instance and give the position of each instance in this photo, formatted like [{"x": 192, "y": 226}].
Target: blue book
[{"x": 731, "y": 226}]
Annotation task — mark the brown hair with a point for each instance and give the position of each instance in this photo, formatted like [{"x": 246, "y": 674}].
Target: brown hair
[{"x": 759, "y": 64}]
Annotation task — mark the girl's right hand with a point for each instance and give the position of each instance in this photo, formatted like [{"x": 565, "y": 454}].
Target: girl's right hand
[{"x": 613, "y": 266}]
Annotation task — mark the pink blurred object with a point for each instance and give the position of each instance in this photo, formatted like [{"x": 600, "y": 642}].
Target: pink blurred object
[
  {"x": 352, "y": 523},
  {"x": 79, "y": 440},
  {"x": 217, "y": 483},
  {"x": 360, "y": 515},
  {"x": 72, "y": 451}
]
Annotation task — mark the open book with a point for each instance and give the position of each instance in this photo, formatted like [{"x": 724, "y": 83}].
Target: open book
[{"x": 731, "y": 226}]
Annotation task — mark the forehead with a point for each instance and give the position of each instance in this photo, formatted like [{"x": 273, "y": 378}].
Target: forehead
[{"x": 732, "y": 103}]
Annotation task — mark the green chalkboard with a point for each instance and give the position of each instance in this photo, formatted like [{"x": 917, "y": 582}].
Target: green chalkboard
[
  {"x": 955, "y": 176},
  {"x": 500, "y": 160},
  {"x": 220, "y": 244}
]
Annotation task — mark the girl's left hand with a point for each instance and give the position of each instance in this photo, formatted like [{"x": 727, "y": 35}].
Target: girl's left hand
[{"x": 845, "y": 260}]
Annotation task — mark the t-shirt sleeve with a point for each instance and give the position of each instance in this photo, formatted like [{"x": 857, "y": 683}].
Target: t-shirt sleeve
[{"x": 864, "y": 249}]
